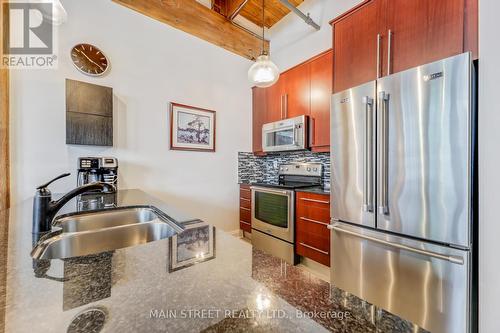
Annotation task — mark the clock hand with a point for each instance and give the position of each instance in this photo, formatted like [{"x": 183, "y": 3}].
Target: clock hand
[{"x": 92, "y": 61}]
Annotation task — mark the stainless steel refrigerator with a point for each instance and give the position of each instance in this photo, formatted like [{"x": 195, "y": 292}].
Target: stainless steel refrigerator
[{"x": 402, "y": 193}]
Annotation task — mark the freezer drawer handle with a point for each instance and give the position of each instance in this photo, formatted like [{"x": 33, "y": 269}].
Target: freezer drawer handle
[{"x": 452, "y": 259}]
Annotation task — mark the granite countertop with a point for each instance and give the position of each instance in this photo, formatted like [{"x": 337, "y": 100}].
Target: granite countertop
[
  {"x": 314, "y": 189},
  {"x": 203, "y": 280}
]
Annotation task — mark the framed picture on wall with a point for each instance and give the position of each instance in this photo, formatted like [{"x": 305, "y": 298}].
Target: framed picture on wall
[{"x": 191, "y": 128}]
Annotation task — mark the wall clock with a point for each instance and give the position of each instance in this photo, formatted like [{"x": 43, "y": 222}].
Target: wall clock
[{"x": 89, "y": 59}]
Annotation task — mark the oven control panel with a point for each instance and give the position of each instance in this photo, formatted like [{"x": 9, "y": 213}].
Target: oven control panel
[{"x": 302, "y": 169}]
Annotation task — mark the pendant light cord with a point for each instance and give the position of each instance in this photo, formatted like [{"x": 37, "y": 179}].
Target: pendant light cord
[{"x": 263, "y": 24}]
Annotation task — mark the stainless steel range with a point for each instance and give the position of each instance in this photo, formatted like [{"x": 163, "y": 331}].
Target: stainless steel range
[{"x": 273, "y": 213}]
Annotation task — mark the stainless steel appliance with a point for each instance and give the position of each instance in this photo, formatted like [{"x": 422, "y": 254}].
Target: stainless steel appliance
[
  {"x": 285, "y": 135},
  {"x": 273, "y": 213},
  {"x": 97, "y": 169},
  {"x": 402, "y": 193}
]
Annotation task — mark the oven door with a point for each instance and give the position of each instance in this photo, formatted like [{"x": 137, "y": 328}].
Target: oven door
[{"x": 273, "y": 212}]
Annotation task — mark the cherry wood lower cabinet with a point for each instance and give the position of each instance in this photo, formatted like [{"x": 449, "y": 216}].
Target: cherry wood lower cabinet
[
  {"x": 245, "y": 208},
  {"x": 312, "y": 215}
]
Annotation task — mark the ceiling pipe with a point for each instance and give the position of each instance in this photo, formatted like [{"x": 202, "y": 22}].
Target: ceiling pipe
[{"x": 303, "y": 16}]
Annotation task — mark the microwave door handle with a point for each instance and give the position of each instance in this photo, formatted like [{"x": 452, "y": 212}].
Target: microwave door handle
[{"x": 295, "y": 135}]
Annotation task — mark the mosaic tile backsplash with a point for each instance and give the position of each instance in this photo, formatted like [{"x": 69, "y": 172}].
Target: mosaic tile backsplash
[{"x": 252, "y": 168}]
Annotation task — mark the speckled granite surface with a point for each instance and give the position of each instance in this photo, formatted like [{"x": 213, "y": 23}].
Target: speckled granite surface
[{"x": 230, "y": 288}]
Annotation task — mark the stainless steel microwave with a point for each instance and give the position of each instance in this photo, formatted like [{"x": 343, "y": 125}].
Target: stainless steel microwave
[{"x": 284, "y": 135}]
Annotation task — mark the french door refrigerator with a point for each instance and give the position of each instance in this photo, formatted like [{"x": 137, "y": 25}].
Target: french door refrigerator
[{"x": 402, "y": 193}]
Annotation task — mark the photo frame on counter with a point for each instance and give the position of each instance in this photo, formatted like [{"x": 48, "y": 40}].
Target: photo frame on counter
[
  {"x": 196, "y": 244},
  {"x": 192, "y": 128}
]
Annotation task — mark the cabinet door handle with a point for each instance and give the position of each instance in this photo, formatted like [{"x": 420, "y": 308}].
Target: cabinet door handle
[
  {"x": 281, "y": 106},
  {"x": 245, "y": 199},
  {"x": 286, "y": 105},
  {"x": 317, "y": 201},
  {"x": 245, "y": 223},
  {"x": 389, "y": 42},
  {"x": 314, "y": 221},
  {"x": 245, "y": 208},
  {"x": 313, "y": 248},
  {"x": 379, "y": 37}
]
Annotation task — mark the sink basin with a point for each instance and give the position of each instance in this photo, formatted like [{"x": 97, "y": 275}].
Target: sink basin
[
  {"x": 95, "y": 232},
  {"x": 105, "y": 219}
]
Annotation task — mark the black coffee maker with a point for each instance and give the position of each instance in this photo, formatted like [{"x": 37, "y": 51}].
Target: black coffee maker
[{"x": 97, "y": 169}]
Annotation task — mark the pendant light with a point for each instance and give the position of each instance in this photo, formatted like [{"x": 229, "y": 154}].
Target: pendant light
[
  {"x": 263, "y": 72},
  {"x": 57, "y": 15}
]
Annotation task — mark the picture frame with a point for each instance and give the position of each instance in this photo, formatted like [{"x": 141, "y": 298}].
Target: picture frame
[
  {"x": 192, "y": 128},
  {"x": 196, "y": 244}
]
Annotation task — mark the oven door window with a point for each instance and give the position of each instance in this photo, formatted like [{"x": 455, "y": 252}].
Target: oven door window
[
  {"x": 272, "y": 208},
  {"x": 280, "y": 138}
]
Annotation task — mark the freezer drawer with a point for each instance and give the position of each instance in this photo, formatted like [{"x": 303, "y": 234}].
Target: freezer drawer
[{"x": 420, "y": 282}]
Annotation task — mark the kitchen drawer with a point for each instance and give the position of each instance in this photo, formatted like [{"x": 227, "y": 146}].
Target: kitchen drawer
[
  {"x": 246, "y": 226},
  {"x": 313, "y": 245},
  {"x": 245, "y": 215},
  {"x": 311, "y": 219},
  {"x": 313, "y": 200},
  {"x": 320, "y": 215},
  {"x": 245, "y": 192},
  {"x": 245, "y": 203}
]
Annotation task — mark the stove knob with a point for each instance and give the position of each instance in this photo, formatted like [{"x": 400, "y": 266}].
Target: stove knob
[
  {"x": 315, "y": 169},
  {"x": 309, "y": 169}
]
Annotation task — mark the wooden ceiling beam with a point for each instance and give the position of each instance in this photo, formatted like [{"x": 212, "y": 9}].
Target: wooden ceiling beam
[
  {"x": 234, "y": 7},
  {"x": 194, "y": 18}
]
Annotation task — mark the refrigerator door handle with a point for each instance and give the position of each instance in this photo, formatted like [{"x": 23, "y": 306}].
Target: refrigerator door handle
[
  {"x": 453, "y": 259},
  {"x": 383, "y": 139},
  {"x": 368, "y": 156}
]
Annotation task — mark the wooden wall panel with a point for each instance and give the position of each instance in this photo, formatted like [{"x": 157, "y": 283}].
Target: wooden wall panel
[{"x": 4, "y": 119}]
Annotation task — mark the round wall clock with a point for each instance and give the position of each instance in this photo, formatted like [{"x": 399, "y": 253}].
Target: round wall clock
[{"x": 89, "y": 59}]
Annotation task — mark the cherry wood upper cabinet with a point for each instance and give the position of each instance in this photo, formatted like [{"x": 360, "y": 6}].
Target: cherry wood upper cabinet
[
  {"x": 321, "y": 91},
  {"x": 259, "y": 117},
  {"x": 355, "y": 45},
  {"x": 297, "y": 96},
  {"x": 275, "y": 96},
  {"x": 407, "y": 33},
  {"x": 422, "y": 31}
]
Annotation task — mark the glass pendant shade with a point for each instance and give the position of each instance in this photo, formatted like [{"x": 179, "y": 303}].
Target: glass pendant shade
[
  {"x": 58, "y": 15},
  {"x": 264, "y": 72}
]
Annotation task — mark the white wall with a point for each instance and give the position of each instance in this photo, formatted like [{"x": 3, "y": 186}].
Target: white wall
[
  {"x": 489, "y": 166},
  {"x": 293, "y": 41},
  {"x": 152, "y": 65}
]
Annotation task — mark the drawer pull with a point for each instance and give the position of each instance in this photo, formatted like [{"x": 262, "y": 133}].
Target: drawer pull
[
  {"x": 245, "y": 208},
  {"x": 245, "y": 223},
  {"x": 245, "y": 199},
  {"x": 317, "y": 201},
  {"x": 314, "y": 221},
  {"x": 313, "y": 248}
]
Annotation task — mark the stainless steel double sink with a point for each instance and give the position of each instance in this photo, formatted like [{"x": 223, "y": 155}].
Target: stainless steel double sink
[{"x": 94, "y": 232}]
